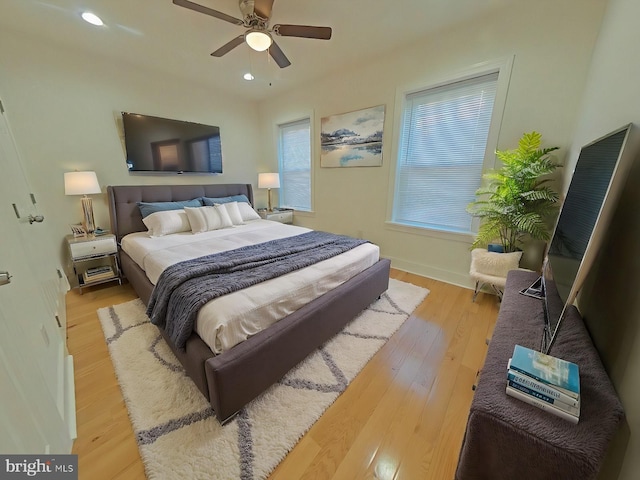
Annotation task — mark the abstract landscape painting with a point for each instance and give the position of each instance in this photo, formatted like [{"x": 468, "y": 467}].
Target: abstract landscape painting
[{"x": 352, "y": 139}]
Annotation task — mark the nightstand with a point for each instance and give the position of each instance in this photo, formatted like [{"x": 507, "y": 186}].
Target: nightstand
[
  {"x": 94, "y": 260},
  {"x": 278, "y": 215}
]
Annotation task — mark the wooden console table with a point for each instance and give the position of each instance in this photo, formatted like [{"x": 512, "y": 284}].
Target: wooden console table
[{"x": 507, "y": 438}]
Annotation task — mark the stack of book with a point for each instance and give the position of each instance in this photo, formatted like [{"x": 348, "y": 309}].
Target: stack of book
[
  {"x": 546, "y": 382},
  {"x": 97, "y": 273}
]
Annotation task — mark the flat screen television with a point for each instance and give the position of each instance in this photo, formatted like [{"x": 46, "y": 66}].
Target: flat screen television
[
  {"x": 591, "y": 199},
  {"x": 155, "y": 144}
]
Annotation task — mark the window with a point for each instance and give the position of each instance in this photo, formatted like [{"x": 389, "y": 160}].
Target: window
[
  {"x": 294, "y": 157},
  {"x": 441, "y": 152}
]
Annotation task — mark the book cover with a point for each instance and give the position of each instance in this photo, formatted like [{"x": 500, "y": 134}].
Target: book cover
[
  {"x": 547, "y": 369},
  {"x": 547, "y": 407},
  {"x": 573, "y": 410},
  {"x": 543, "y": 388},
  {"x": 98, "y": 276},
  {"x": 96, "y": 270},
  {"x": 106, "y": 273}
]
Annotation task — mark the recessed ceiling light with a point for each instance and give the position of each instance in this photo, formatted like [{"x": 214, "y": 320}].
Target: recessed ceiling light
[
  {"x": 92, "y": 18},
  {"x": 248, "y": 76}
]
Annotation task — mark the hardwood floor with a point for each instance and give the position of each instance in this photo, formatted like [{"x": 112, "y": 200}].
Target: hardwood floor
[{"x": 403, "y": 417}]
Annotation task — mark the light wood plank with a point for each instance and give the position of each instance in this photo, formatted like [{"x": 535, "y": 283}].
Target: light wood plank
[{"x": 403, "y": 417}]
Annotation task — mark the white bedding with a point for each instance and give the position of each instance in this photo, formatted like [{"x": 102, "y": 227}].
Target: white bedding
[{"x": 228, "y": 320}]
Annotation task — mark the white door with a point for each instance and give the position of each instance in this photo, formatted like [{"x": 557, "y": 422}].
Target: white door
[{"x": 32, "y": 351}]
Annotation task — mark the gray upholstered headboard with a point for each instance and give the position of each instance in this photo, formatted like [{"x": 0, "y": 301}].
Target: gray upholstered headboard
[{"x": 124, "y": 211}]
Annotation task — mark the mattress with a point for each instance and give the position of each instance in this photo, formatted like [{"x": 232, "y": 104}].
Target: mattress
[{"x": 228, "y": 320}]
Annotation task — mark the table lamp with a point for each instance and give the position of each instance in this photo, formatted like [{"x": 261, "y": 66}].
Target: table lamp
[
  {"x": 269, "y": 181},
  {"x": 83, "y": 183}
]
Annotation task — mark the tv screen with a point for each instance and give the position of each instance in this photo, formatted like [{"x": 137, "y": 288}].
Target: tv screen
[
  {"x": 156, "y": 144},
  {"x": 595, "y": 186}
]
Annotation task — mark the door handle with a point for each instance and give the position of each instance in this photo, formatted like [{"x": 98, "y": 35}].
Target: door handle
[{"x": 4, "y": 278}]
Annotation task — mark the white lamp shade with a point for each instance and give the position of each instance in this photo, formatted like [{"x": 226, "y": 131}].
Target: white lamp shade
[
  {"x": 268, "y": 180},
  {"x": 81, "y": 183},
  {"x": 258, "y": 40}
]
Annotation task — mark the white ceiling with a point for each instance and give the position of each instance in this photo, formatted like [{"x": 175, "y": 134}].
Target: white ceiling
[{"x": 162, "y": 36}]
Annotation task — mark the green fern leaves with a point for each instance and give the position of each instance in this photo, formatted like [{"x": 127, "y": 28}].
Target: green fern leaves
[{"x": 516, "y": 202}]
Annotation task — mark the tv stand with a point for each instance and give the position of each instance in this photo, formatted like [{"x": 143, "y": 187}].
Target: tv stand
[
  {"x": 535, "y": 290},
  {"x": 508, "y": 438}
]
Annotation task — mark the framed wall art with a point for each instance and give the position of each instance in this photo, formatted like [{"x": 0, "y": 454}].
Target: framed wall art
[{"x": 352, "y": 139}]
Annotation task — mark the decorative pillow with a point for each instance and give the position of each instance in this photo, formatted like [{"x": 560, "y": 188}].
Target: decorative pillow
[
  {"x": 492, "y": 263},
  {"x": 147, "y": 208},
  {"x": 234, "y": 212},
  {"x": 205, "y": 219},
  {"x": 198, "y": 218},
  {"x": 166, "y": 222},
  {"x": 210, "y": 202},
  {"x": 224, "y": 216},
  {"x": 247, "y": 212}
]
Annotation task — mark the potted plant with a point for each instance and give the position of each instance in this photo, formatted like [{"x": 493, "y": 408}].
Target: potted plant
[{"x": 516, "y": 201}]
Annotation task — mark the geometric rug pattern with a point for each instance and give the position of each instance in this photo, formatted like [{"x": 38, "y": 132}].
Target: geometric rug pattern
[{"x": 176, "y": 429}]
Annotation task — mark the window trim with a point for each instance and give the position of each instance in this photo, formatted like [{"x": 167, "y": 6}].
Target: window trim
[
  {"x": 503, "y": 67},
  {"x": 310, "y": 117}
]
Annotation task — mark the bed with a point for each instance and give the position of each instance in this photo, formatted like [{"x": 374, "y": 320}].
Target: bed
[{"x": 231, "y": 379}]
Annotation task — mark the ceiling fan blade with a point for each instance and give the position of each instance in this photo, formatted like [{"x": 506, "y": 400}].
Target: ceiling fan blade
[
  {"x": 304, "y": 31},
  {"x": 262, "y": 8},
  {"x": 208, "y": 11},
  {"x": 227, "y": 47},
  {"x": 278, "y": 55}
]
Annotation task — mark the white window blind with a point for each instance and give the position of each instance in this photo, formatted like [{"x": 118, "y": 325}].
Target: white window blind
[
  {"x": 443, "y": 139},
  {"x": 294, "y": 156}
]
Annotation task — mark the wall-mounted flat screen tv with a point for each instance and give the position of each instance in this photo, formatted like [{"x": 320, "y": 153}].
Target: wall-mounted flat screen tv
[{"x": 155, "y": 144}]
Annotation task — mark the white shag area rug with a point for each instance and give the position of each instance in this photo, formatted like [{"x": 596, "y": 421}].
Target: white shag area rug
[{"x": 177, "y": 432}]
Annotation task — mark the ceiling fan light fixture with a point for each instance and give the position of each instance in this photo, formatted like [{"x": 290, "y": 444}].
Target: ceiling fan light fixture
[
  {"x": 258, "y": 40},
  {"x": 92, "y": 18}
]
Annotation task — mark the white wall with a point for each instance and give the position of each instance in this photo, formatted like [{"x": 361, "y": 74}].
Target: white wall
[
  {"x": 552, "y": 43},
  {"x": 63, "y": 105},
  {"x": 610, "y": 302}
]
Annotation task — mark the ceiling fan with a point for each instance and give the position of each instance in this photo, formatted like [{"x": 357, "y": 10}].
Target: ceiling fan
[{"x": 256, "y": 15}]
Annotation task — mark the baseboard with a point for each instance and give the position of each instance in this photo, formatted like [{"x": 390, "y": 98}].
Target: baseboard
[
  {"x": 460, "y": 279},
  {"x": 70, "y": 398}
]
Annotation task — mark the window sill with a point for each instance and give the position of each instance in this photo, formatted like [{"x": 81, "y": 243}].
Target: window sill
[
  {"x": 466, "y": 238},
  {"x": 304, "y": 213}
]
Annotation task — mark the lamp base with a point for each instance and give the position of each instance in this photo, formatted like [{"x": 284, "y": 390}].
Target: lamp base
[
  {"x": 269, "y": 195},
  {"x": 87, "y": 209}
]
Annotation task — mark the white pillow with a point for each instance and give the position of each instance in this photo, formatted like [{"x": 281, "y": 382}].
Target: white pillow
[
  {"x": 247, "y": 212},
  {"x": 166, "y": 222},
  {"x": 224, "y": 216},
  {"x": 197, "y": 218},
  {"x": 234, "y": 212},
  {"x": 204, "y": 219}
]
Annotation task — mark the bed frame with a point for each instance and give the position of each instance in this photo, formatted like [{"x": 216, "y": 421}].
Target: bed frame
[{"x": 232, "y": 379}]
